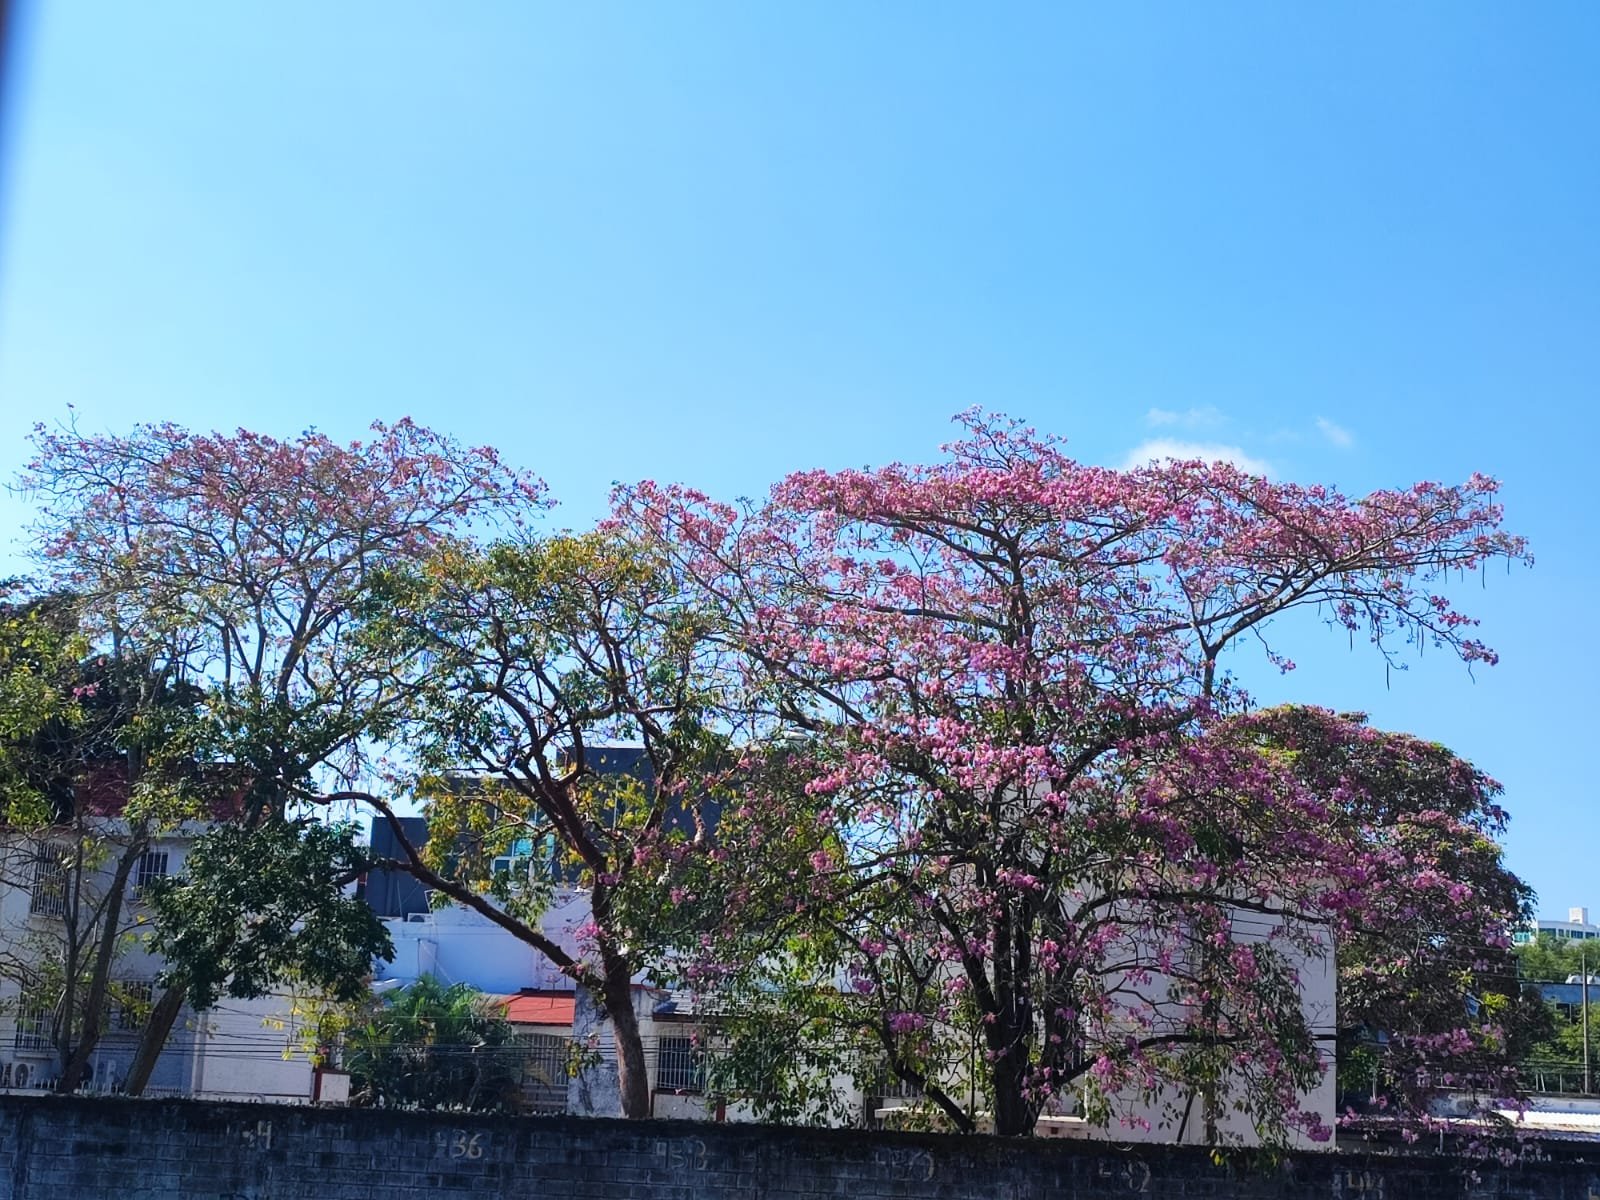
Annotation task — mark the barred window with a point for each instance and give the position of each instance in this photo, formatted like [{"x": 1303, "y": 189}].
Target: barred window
[
  {"x": 152, "y": 866},
  {"x": 892, "y": 1087},
  {"x": 49, "y": 893},
  {"x": 33, "y": 1028},
  {"x": 680, "y": 1066},
  {"x": 130, "y": 1008},
  {"x": 544, "y": 1071}
]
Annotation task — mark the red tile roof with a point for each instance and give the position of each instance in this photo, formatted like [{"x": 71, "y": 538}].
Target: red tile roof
[
  {"x": 102, "y": 789},
  {"x": 540, "y": 1010}
]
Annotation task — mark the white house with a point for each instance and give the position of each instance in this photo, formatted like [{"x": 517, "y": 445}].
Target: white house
[{"x": 241, "y": 1049}]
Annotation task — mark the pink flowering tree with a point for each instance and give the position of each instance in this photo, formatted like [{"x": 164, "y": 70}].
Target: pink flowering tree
[
  {"x": 239, "y": 563},
  {"x": 1016, "y": 824},
  {"x": 1429, "y": 994}
]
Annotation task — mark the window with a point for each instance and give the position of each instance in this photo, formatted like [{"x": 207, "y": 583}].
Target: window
[
  {"x": 544, "y": 1071},
  {"x": 891, "y": 1087},
  {"x": 130, "y": 1005},
  {"x": 526, "y": 860},
  {"x": 33, "y": 1028},
  {"x": 49, "y": 895},
  {"x": 152, "y": 866},
  {"x": 680, "y": 1067},
  {"x": 514, "y": 866}
]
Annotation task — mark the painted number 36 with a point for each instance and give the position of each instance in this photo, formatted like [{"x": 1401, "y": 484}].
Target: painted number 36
[{"x": 465, "y": 1145}]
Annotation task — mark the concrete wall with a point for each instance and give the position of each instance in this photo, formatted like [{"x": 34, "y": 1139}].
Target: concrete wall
[{"x": 102, "y": 1149}]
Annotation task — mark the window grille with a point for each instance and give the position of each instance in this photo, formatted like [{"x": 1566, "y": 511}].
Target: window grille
[
  {"x": 544, "y": 1071},
  {"x": 891, "y": 1087},
  {"x": 680, "y": 1066},
  {"x": 151, "y": 867},
  {"x": 33, "y": 1028},
  {"x": 131, "y": 1009},
  {"x": 49, "y": 894}
]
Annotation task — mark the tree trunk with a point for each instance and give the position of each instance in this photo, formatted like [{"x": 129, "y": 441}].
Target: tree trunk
[
  {"x": 163, "y": 1016},
  {"x": 95, "y": 1002},
  {"x": 1014, "y": 1114},
  {"x": 62, "y": 1031},
  {"x": 633, "y": 1078},
  {"x": 1008, "y": 1035}
]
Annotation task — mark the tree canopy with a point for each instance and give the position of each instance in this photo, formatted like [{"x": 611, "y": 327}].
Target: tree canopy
[
  {"x": 990, "y": 800},
  {"x": 542, "y": 652},
  {"x": 236, "y": 563},
  {"x": 1019, "y": 789}
]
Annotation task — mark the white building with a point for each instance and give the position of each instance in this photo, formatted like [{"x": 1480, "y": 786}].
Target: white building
[
  {"x": 458, "y": 945},
  {"x": 1577, "y": 926},
  {"x": 241, "y": 1049}
]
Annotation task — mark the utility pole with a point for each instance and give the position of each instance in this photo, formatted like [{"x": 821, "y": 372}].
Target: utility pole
[{"x": 1583, "y": 966}]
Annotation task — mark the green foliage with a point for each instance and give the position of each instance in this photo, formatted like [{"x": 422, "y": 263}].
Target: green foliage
[
  {"x": 1549, "y": 959},
  {"x": 39, "y": 652},
  {"x": 541, "y": 653},
  {"x": 1558, "y": 1044},
  {"x": 435, "y": 1046},
  {"x": 70, "y": 718},
  {"x": 257, "y": 908}
]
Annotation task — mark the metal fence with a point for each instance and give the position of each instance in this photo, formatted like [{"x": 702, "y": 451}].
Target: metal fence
[
  {"x": 546, "y": 1071},
  {"x": 1560, "y": 1079}
]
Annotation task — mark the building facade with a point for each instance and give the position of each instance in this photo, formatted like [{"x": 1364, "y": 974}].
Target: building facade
[
  {"x": 54, "y": 885},
  {"x": 1577, "y": 927}
]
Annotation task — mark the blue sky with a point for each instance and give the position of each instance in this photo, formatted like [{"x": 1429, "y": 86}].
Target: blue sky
[{"x": 716, "y": 242}]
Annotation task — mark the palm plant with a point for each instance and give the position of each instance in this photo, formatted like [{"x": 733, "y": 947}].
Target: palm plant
[{"x": 435, "y": 1045}]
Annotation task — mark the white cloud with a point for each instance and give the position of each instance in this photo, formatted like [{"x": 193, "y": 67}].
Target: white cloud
[
  {"x": 1337, "y": 434},
  {"x": 1189, "y": 418},
  {"x": 1157, "y": 449}
]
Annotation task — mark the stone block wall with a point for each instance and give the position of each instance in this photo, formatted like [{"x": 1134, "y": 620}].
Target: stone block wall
[{"x": 106, "y": 1149}]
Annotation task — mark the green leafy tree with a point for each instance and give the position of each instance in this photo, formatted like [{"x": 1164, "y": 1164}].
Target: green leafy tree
[
  {"x": 39, "y": 652},
  {"x": 433, "y": 1045},
  {"x": 1549, "y": 959},
  {"x": 1556, "y": 1059},
  {"x": 254, "y": 908},
  {"x": 540, "y": 653},
  {"x": 94, "y": 764}
]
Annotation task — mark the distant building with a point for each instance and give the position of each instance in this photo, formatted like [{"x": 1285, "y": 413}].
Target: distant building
[
  {"x": 1576, "y": 926},
  {"x": 394, "y": 893},
  {"x": 389, "y": 892}
]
